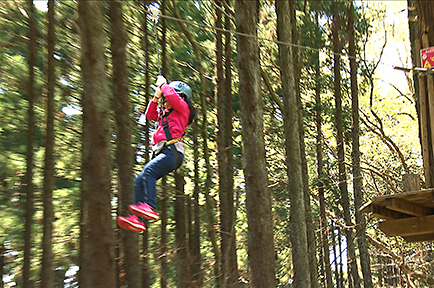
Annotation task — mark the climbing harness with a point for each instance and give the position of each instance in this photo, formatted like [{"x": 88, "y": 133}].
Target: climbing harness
[{"x": 170, "y": 143}]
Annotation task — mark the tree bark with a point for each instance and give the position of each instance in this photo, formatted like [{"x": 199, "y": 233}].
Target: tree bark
[
  {"x": 183, "y": 277},
  {"x": 163, "y": 243},
  {"x": 2, "y": 263},
  {"x": 421, "y": 95},
  {"x": 258, "y": 197},
  {"x": 324, "y": 227},
  {"x": 423, "y": 36},
  {"x": 30, "y": 190},
  {"x": 292, "y": 145},
  {"x": 47, "y": 254},
  {"x": 224, "y": 156},
  {"x": 97, "y": 245},
  {"x": 164, "y": 195},
  {"x": 357, "y": 174},
  {"x": 196, "y": 262},
  {"x": 310, "y": 223},
  {"x": 345, "y": 202},
  {"x": 124, "y": 150}
]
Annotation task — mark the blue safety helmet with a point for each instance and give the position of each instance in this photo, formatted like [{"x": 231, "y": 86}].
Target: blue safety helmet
[
  {"x": 180, "y": 86},
  {"x": 185, "y": 91}
]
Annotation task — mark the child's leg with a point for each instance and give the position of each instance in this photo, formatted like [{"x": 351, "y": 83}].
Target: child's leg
[{"x": 145, "y": 183}]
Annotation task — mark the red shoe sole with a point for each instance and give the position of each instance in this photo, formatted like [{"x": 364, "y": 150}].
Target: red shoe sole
[
  {"x": 124, "y": 224},
  {"x": 140, "y": 213}
]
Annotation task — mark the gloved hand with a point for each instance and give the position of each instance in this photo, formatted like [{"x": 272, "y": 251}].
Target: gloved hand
[{"x": 160, "y": 81}]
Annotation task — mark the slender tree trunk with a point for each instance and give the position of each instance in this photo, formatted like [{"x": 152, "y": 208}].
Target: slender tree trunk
[
  {"x": 194, "y": 236},
  {"x": 196, "y": 258},
  {"x": 224, "y": 154},
  {"x": 310, "y": 223},
  {"x": 292, "y": 143},
  {"x": 47, "y": 254},
  {"x": 357, "y": 175},
  {"x": 124, "y": 151},
  {"x": 228, "y": 133},
  {"x": 2, "y": 263},
  {"x": 30, "y": 190},
  {"x": 183, "y": 279},
  {"x": 258, "y": 197},
  {"x": 341, "y": 262},
  {"x": 196, "y": 194},
  {"x": 320, "y": 171},
  {"x": 97, "y": 250},
  {"x": 345, "y": 202},
  {"x": 206, "y": 157},
  {"x": 145, "y": 268},
  {"x": 163, "y": 244},
  {"x": 164, "y": 195},
  {"x": 335, "y": 254}
]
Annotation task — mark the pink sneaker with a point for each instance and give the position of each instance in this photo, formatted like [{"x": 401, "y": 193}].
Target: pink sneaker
[
  {"x": 131, "y": 223},
  {"x": 145, "y": 211}
]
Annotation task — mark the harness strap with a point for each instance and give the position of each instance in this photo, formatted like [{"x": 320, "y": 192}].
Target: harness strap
[
  {"x": 166, "y": 128},
  {"x": 170, "y": 140},
  {"x": 173, "y": 141}
]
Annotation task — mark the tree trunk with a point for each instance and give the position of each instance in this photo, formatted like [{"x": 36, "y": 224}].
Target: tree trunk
[
  {"x": 164, "y": 195},
  {"x": 163, "y": 243},
  {"x": 196, "y": 264},
  {"x": 357, "y": 174},
  {"x": 124, "y": 151},
  {"x": 335, "y": 254},
  {"x": 421, "y": 96},
  {"x": 345, "y": 202},
  {"x": 310, "y": 223},
  {"x": 258, "y": 197},
  {"x": 30, "y": 190},
  {"x": 341, "y": 264},
  {"x": 320, "y": 172},
  {"x": 97, "y": 249},
  {"x": 292, "y": 144},
  {"x": 47, "y": 254},
  {"x": 183, "y": 279},
  {"x": 424, "y": 38},
  {"x": 224, "y": 156},
  {"x": 2, "y": 263},
  {"x": 146, "y": 270}
]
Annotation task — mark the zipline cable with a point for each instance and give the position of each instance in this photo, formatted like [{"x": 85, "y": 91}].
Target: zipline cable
[
  {"x": 233, "y": 32},
  {"x": 155, "y": 12}
]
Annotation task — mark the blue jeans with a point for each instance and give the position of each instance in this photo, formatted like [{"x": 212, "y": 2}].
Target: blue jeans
[{"x": 145, "y": 184}]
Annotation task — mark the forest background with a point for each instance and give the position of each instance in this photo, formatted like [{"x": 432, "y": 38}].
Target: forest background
[{"x": 205, "y": 236}]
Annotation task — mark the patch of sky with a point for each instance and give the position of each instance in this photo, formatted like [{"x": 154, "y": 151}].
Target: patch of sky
[
  {"x": 69, "y": 277},
  {"x": 41, "y": 4},
  {"x": 71, "y": 110}
]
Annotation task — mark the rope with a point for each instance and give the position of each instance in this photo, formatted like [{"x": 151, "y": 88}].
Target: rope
[
  {"x": 233, "y": 32},
  {"x": 155, "y": 12}
]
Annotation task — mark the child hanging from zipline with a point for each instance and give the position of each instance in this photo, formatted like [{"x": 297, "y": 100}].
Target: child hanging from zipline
[{"x": 168, "y": 149}]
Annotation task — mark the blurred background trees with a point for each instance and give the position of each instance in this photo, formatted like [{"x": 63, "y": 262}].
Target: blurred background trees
[{"x": 204, "y": 239}]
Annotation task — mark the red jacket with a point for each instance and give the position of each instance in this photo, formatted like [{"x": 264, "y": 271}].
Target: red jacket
[{"x": 178, "y": 118}]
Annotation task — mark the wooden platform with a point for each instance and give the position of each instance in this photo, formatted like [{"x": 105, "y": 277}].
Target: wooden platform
[{"x": 408, "y": 214}]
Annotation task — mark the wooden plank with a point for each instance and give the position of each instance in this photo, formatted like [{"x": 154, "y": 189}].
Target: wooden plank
[
  {"x": 403, "y": 206},
  {"x": 411, "y": 182},
  {"x": 382, "y": 212},
  {"x": 419, "y": 238},
  {"x": 423, "y": 197},
  {"x": 408, "y": 226}
]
